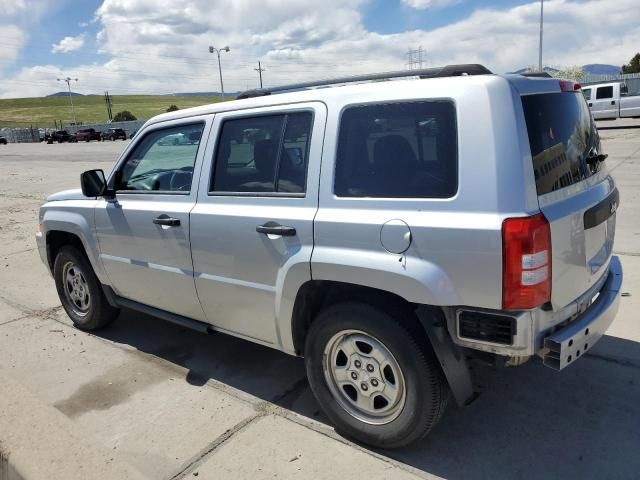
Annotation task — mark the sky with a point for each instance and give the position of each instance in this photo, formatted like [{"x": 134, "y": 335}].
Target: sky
[{"x": 162, "y": 46}]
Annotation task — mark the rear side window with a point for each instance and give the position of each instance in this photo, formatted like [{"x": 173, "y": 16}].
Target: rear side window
[
  {"x": 266, "y": 153},
  {"x": 604, "y": 92},
  {"x": 399, "y": 150},
  {"x": 561, "y": 136}
]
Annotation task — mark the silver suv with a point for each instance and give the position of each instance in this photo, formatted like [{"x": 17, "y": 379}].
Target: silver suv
[{"x": 390, "y": 232}]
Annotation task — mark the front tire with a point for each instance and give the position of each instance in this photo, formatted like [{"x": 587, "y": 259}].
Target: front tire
[
  {"x": 375, "y": 377},
  {"x": 80, "y": 291}
]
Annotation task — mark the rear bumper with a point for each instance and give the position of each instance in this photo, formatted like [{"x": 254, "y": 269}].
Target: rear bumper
[{"x": 567, "y": 344}]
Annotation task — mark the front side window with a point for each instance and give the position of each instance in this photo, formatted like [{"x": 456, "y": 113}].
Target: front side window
[
  {"x": 263, "y": 154},
  {"x": 162, "y": 161},
  {"x": 587, "y": 93},
  {"x": 604, "y": 92},
  {"x": 403, "y": 150}
]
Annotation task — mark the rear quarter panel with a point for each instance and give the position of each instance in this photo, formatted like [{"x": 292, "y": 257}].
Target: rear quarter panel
[{"x": 455, "y": 257}]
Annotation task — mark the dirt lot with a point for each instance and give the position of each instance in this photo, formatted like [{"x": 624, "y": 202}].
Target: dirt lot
[{"x": 148, "y": 399}]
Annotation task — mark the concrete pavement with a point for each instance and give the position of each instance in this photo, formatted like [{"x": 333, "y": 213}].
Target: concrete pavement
[{"x": 165, "y": 402}]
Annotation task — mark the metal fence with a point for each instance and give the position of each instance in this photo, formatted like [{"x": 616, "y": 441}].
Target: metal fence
[
  {"x": 128, "y": 127},
  {"x": 34, "y": 135},
  {"x": 631, "y": 79},
  {"x": 20, "y": 135}
]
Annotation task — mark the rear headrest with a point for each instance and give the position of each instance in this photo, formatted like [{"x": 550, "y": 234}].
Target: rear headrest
[{"x": 393, "y": 154}]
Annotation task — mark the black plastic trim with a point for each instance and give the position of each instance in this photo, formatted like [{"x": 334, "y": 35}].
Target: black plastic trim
[
  {"x": 117, "y": 301},
  {"x": 602, "y": 211}
]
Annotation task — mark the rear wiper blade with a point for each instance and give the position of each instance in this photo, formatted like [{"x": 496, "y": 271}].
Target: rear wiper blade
[{"x": 597, "y": 158}]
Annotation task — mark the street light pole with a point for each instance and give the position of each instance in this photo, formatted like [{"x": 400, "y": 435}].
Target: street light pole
[
  {"x": 217, "y": 51},
  {"x": 540, "y": 48},
  {"x": 73, "y": 110}
]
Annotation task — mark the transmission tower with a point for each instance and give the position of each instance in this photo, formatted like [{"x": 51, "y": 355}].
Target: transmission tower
[{"x": 416, "y": 58}]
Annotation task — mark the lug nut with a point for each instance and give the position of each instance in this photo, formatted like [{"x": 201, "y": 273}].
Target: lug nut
[
  {"x": 354, "y": 375},
  {"x": 374, "y": 382},
  {"x": 369, "y": 368},
  {"x": 364, "y": 386},
  {"x": 357, "y": 363}
]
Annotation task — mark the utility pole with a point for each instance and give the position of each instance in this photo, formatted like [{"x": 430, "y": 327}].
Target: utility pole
[
  {"x": 212, "y": 49},
  {"x": 540, "y": 48},
  {"x": 68, "y": 81},
  {"x": 260, "y": 70},
  {"x": 415, "y": 58}
]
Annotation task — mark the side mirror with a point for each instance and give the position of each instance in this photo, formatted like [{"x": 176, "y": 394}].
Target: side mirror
[{"x": 93, "y": 183}]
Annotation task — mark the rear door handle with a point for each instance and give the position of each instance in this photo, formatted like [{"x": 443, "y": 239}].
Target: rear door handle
[
  {"x": 274, "y": 228},
  {"x": 613, "y": 102},
  {"x": 165, "y": 219}
]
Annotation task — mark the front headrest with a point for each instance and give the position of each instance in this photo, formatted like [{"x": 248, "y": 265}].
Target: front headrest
[{"x": 263, "y": 155}]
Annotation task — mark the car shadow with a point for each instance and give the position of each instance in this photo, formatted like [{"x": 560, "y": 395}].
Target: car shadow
[{"x": 528, "y": 422}]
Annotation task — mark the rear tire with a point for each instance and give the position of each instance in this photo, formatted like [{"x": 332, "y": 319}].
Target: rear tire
[
  {"x": 376, "y": 378},
  {"x": 80, "y": 291}
]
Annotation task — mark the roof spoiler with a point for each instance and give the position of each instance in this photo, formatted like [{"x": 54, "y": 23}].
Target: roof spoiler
[
  {"x": 447, "y": 71},
  {"x": 536, "y": 74}
]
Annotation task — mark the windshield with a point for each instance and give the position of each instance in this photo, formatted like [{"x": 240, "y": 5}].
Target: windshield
[{"x": 561, "y": 136}]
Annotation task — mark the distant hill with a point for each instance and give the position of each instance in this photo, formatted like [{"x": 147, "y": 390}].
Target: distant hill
[
  {"x": 203, "y": 94},
  {"x": 44, "y": 111},
  {"x": 65, "y": 94}
]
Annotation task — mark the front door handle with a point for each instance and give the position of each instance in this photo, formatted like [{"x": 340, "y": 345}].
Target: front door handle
[
  {"x": 590, "y": 104},
  {"x": 274, "y": 228},
  {"x": 165, "y": 219}
]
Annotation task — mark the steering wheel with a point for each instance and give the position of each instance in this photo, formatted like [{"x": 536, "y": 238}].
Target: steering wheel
[{"x": 180, "y": 181}]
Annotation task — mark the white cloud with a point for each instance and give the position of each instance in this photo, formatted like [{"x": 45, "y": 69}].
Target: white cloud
[
  {"x": 68, "y": 44},
  {"x": 11, "y": 7},
  {"x": 13, "y": 39},
  {"x": 161, "y": 46},
  {"x": 424, "y": 4}
]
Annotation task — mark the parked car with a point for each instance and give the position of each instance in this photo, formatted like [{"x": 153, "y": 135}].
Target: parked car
[
  {"x": 391, "y": 233},
  {"x": 60, "y": 136},
  {"x": 87, "y": 135},
  {"x": 114, "y": 134},
  {"x": 3, "y": 140},
  {"x": 611, "y": 100}
]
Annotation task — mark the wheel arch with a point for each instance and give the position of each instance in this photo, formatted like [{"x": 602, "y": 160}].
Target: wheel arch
[
  {"x": 71, "y": 228},
  {"x": 427, "y": 321},
  {"x": 315, "y": 295}
]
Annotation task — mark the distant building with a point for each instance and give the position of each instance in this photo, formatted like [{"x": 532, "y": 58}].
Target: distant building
[{"x": 552, "y": 168}]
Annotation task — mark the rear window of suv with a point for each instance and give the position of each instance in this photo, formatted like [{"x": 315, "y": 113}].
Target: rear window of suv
[
  {"x": 561, "y": 136},
  {"x": 398, "y": 150}
]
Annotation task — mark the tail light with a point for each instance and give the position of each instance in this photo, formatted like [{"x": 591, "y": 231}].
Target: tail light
[
  {"x": 526, "y": 257},
  {"x": 569, "y": 86}
]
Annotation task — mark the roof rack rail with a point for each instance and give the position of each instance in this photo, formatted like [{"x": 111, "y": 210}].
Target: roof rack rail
[
  {"x": 536, "y": 74},
  {"x": 447, "y": 71}
]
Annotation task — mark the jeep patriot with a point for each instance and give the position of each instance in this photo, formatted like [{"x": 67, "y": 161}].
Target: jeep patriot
[{"x": 389, "y": 232}]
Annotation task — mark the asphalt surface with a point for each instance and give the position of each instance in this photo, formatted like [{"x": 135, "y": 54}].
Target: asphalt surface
[{"x": 148, "y": 399}]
